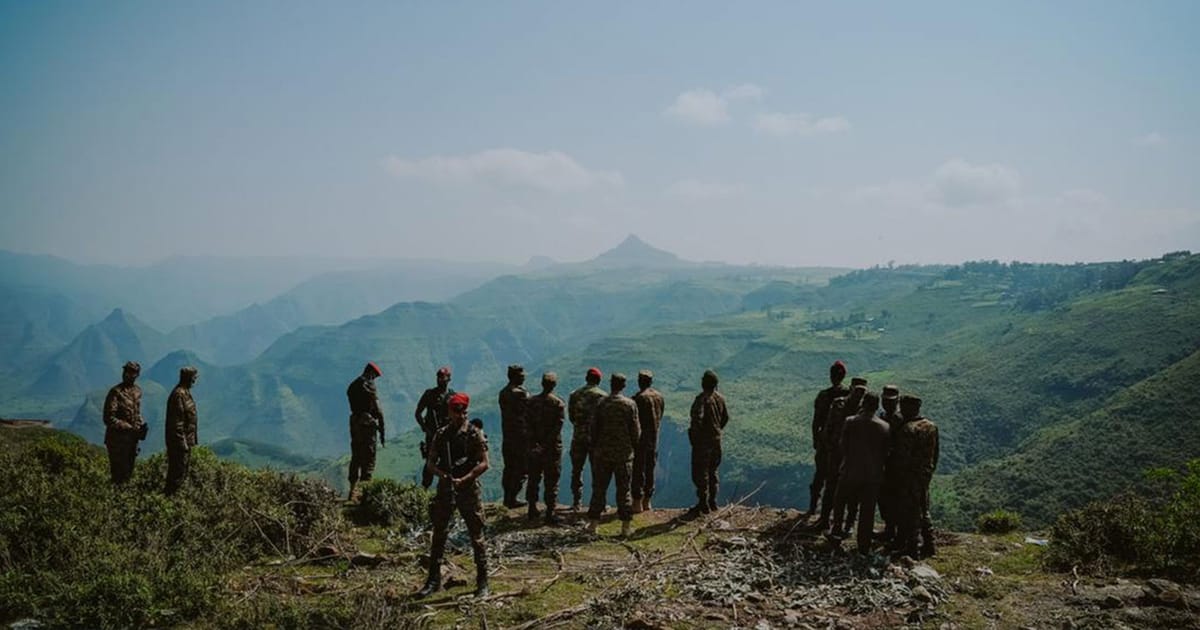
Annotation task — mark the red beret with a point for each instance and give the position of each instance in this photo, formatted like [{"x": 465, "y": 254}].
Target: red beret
[
  {"x": 378, "y": 372},
  {"x": 444, "y": 370},
  {"x": 594, "y": 372},
  {"x": 459, "y": 400},
  {"x": 838, "y": 366}
]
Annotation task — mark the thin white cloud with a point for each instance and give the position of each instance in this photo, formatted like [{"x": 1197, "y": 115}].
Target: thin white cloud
[
  {"x": 1152, "y": 139},
  {"x": 706, "y": 107},
  {"x": 699, "y": 190},
  {"x": 549, "y": 171},
  {"x": 780, "y": 124},
  {"x": 958, "y": 183}
]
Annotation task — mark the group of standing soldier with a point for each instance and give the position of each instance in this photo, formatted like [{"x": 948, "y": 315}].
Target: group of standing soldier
[
  {"x": 867, "y": 456},
  {"x": 124, "y": 426}
]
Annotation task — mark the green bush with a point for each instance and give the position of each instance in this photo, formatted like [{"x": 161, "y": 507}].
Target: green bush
[
  {"x": 388, "y": 502},
  {"x": 998, "y": 522}
]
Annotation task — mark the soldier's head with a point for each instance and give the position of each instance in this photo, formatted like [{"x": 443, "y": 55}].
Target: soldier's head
[
  {"x": 477, "y": 423},
  {"x": 855, "y": 399},
  {"x": 371, "y": 371},
  {"x": 458, "y": 405},
  {"x": 910, "y": 407},
  {"x": 443, "y": 376},
  {"x": 708, "y": 382},
  {"x": 870, "y": 404},
  {"x": 130, "y": 372},
  {"x": 645, "y": 378},
  {"x": 616, "y": 382},
  {"x": 857, "y": 381},
  {"x": 549, "y": 382},
  {"x": 593, "y": 376},
  {"x": 837, "y": 372},
  {"x": 890, "y": 398},
  {"x": 188, "y": 376},
  {"x": 516, "y": 374}
]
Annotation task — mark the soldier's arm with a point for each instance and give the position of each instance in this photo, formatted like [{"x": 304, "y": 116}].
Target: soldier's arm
[
  {"x": 937, "y": 446},
  {"x": 110, "y": 411},
  {"x": 724, "y": 414},
  {"x": 481, "y": 453},
  {"x": 818, "y": 422},
  {"x": 634, "y": 425},
  {"x": 137, "y": 405},
  {"x": 419, "y": 414},
  {"x": 176, "y": 419}
]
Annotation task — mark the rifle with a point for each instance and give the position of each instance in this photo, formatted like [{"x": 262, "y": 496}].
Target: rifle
[{"x": 450, "y": 465}]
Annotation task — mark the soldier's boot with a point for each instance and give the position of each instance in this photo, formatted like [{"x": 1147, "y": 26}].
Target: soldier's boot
[
  {"x": 928, "y": 546},
  {"x": 354, "y": 492},
  {"x": 433, "y": 583},
  {"x": 592, "y": 525},
  {"x": 712, "y": 504},
  {"x": 481, "y": 575},
  {"x": 534, "y": 512},
  {"x": 646, "y": 507},
  {"x": 576, "y": 504},
  {"x": 888, "y": 534},
  {"x": 626, "y": 529},
  {"x": 511, "y": 502},
  {"x": 552, "y": 519},
  {"x": 812, "y": 503},
  {"x": 637, "y": 505}
]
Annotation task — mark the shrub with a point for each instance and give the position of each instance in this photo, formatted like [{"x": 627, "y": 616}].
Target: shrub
[
  {"x": 388, "y": 502},
  {"x": 998, "y": 522}
]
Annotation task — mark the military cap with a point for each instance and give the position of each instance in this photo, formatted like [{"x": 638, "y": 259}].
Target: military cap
[
  {"x": 595, "y": 372},
  {"x": 891, "y": 392},
  {"x": 516, "y": 369},
  {"x": 909, "y": 399},
  {"x": 374, "y": 368},
  {"x": 645, "y": 373},
  {"x": 132, "y": 366},
  {"x": 858, "y": 380},
  {"x": 617, "y": 378},
  {"x": 459, "y": 400},
  {"x": 444, "y": 370},
  {"x": 861, "y": 390},
  {"x": 709, "y": 376},
  {"x": 188, "y": 370},
  {"x": 550, "y": 377}
]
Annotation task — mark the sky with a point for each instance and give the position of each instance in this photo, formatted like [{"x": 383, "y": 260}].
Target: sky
[{"x": 788, "y": 133}]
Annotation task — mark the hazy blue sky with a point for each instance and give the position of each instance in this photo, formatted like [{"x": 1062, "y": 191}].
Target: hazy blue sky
[{"x": 786, "y": 133}]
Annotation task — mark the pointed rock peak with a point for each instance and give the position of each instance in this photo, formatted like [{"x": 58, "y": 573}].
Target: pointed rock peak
[
  {"x": 117, "y": 315},
  {"x": 635, "y": 251}
]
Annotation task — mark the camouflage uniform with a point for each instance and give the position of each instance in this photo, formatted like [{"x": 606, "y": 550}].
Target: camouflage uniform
[
  {"x": 181, "y": 436},
  {"x": 650, "y": 412},
  {"x": 458, "y": 452},
  {"x": 582, "y": 407},
  {"x": 433, "y": 403},
  {"x": 545, "y": 421},
  {"x": 514, "y": 445},
  {"x": 615, "y": 435},
  {"x": 366, "y": 418},
  {"x": 916, "y": 458},
  {"x": 865, "y": 443},
  {"x": 709, "y": 416},
  {"x": 124, "y": 427},
  {"x": 821, "y": 407}
]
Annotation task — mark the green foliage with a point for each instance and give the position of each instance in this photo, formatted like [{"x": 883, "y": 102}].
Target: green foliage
[
  {"x": 388, "y": 502},
  {"x": 998, "y": 522},
  {"x": 77, "y": 552}
]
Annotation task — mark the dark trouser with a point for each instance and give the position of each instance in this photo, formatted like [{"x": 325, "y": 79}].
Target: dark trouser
[
  {"x": 833, "y": 469},
  {"x": 860, "y": 497},
  {"x": 516, "y": 456},
  {"x": 362, "y": 451},
  {"x": 645, "y": 458},
  {"x": 912, "y": 512},
  {"x": 122, "y": 452},
  {"x": 545, "y": 466},
  {"x": 579, "y": 455},
  {"x": 602, "y": 472},
  {"x": 888, "y": 494},
  {"x": 706, "y": 459},
  {"x": 818, "y": 480},
  {"x": 177, "y": 467},
  {"x": 469, "y": 502}
]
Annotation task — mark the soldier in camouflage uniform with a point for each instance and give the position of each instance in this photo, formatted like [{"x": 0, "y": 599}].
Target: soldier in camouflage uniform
[
  {"x": 916, "y": 448},
  {"x": 831, "y": 445},
  {"x": 581, "y": 406},
  {"x": 709, "y": 415},
  {"x": 432, "y": 414},
  {"x": 865, "y": 442},
  {"x": 458, "y": 456},
  {"x": 545, "y": 422},
  {"x": 181, "y": 428},
  {"x": 514, "y": 442},
  {"x": 366, "y": 419},
  {"x": 650, "y": 412},
  {"x": 825, "y": 398},
  {"x": 123, "y": 424},
  {"x": 616, "y": 432},
  {"x": 888, "y": 489}
]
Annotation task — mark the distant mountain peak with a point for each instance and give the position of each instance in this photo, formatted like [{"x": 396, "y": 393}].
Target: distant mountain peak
[{"x": 633, "y": 251}]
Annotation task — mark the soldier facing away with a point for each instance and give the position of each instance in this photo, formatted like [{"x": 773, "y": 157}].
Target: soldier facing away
[
  {"x": 458, "y": 456},
  {"x": 917, "y": 451},
  {"x": 615, "y": 434},
  {"x": 888, "y": 489},
  {"x": 709, "y": 415},
  {"x": 650, "y": 412},
  {"x": 581, "y": 405},
  {"x": 366, "y": 419},
  {"x": 545, "y": 421},
  {"x": 181, "y": 428},
  {"x": 825, "y": 398},
  {"x": 123, "y": 423},
  {"x": 865, "y": 441},
  {"x": 514, "y": 442},
  {"x": 432, "y": 414},
  {"x": 831, "y": 445}
]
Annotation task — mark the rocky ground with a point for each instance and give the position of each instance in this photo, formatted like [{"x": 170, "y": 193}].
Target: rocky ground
[{"x": 741, "y": 567}]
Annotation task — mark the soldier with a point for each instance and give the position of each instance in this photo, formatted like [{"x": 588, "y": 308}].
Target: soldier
[
  {"x": 513, "y": 440},
  {"x": 825, "y": 398},
  {"x": 709, "y": 416},
  {"x": 123, "y": 424},
  {"x": 366, "y": 418},
  {"x": 650, "y": 412},
  {"x": 545, "y": 422},
  {"x": 458, "y": 456},
  {"x": 615, "y": 435},
  {"x": 888, "y": 489},
  {"x": 916, "y": 458},
  {"x": 581, "y": 405},
  {"x": 831, "y": 445},
  {"x": 864, "y": 451},
  {"x": 432, "y": 414},
  {"x": 181, "y": 428}
]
